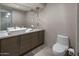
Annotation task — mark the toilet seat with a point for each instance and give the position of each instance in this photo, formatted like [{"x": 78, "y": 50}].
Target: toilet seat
[{"x": 59, "y": 49}]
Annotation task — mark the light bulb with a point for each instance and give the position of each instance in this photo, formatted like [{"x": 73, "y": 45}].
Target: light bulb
[{"x": 8, "y": 14}]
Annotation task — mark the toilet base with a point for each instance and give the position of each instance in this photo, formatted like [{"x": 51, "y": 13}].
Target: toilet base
[{"x": 59, "y": 54}]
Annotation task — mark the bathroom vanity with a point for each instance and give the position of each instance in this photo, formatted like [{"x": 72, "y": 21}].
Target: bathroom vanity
[
  {"x": 15, "y": 45},
  {"x": 15, "y": 37}
]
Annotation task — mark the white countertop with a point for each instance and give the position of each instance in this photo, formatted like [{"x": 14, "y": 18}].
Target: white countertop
[{"x": 34, "y": 30}]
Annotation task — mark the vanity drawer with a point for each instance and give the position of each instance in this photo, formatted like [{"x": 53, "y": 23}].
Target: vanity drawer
[{"x": 29, "y": 35}]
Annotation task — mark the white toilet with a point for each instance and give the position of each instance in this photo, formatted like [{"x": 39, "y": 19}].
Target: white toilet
[{"x": 61, "y": 46}]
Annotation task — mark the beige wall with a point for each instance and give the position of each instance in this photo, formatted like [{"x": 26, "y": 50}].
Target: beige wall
[
  {"x": 18, "y": 18},
  {"x": 57, "y": 19}
]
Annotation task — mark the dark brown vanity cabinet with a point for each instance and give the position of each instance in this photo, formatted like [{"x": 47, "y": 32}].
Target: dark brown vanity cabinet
[
  {"x": 25, "y": 43},
  {"x": 29, "y": 41},
  {"x": 9, "y": 46},
  {"x": 18, "y": 45},
  {"x": 41, "y": 37}
]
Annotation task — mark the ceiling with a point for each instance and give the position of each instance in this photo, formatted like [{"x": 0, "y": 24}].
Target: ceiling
[{"x": 24, "y": 6}]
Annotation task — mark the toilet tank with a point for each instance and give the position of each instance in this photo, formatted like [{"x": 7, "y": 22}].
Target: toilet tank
[{"x": 61, "y": 39}]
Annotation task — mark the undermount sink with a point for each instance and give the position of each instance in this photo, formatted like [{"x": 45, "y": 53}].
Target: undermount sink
[
  {"x": 3, "y": 33},
  {"x": 29, "y": 29},
  {"x": 16, "y": 30}
]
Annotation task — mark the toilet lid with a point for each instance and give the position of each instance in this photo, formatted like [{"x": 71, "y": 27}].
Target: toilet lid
[{"x": 59, "y": 48}]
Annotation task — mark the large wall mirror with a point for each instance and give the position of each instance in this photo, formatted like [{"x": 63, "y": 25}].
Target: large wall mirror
[{"x": 5, "y": 19}]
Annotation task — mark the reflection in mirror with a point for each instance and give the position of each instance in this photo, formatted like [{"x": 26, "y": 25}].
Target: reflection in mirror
[{"x": 5, "y": 19}]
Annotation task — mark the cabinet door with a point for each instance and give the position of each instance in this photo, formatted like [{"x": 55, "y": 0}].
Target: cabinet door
[
  {"x": 28, "y": 42},
  {"x": 25, "y": 43},
  {"x": 34, "y": 39},
  {"x": 9, "y": 46},
  {"x": 41, "y": 37}
]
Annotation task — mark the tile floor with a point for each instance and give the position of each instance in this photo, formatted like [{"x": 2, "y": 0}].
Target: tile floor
[
  {"x": 41, "y": 51},
  {"x": 47, "y": 51}
]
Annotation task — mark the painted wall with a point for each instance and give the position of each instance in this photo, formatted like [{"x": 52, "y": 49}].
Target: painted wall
[{"x": 57, "y": 19}]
